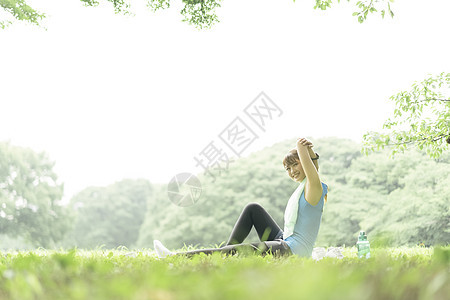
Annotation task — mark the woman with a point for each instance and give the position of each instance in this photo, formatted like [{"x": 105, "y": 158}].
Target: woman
[{"x": 302, "y": 216}]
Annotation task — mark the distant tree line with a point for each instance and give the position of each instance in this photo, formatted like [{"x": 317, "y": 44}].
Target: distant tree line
[{"x": 401, "y": 201}]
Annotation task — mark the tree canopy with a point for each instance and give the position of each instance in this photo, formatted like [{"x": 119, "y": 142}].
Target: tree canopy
[
  {"x": 111, "y": 215},
  {"x": 199, "y": 13},
  {"x": 30, "y": 196},
  {"x": 421, "y": 117}
]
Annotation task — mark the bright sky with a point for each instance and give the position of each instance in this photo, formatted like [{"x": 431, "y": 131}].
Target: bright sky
[{"x": 111, "y": 97}]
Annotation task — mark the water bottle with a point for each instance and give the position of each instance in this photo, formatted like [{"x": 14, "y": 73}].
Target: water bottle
[{"x": 363, "y": 245}]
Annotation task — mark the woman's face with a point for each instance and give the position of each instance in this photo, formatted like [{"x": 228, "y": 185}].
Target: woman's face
[{"x": 295, "y": 171}]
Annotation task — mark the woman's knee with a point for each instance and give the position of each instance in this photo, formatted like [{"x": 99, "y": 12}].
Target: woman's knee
[{"x": 253, "y": 206}]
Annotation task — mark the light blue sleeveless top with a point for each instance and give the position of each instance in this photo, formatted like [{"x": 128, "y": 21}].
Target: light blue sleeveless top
[{"x": 306, "y": 229}]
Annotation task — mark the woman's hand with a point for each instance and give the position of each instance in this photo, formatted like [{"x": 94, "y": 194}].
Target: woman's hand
[{"x": 304, "y": 142}]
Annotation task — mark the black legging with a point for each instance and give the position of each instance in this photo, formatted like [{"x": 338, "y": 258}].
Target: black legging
[{"x": 268, "y": 231}]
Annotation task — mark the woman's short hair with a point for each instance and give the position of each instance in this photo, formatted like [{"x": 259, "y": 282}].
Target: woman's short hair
[{"x": 290, "y": 158}]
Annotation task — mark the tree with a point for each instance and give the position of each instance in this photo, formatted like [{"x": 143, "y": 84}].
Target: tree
[
  {"x": 19, "y": 10},
  {"x": 30, "y": 197},
  {"x": 199, "y": 13},
  {"x": 421, "y": 118},
  {"x": 398, "y": 202},
  {"x": 110, "y": 215},
  {"x": 420, "y": 211}
]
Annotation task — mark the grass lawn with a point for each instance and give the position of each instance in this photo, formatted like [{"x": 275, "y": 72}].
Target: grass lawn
[{"x": 391, "y": 273}]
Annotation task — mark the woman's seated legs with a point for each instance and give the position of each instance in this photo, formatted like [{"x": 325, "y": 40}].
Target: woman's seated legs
[
  {"x": 277, "y": 248},
  {"x": 254, "y": 215}
]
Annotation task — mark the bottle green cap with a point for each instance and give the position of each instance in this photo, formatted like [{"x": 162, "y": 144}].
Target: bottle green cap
[{"x": 362, "y": 236}]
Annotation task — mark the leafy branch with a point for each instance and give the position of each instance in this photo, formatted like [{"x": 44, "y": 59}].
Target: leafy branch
[
  {"x": 21, "y": 11},
  {"x": 156, "y": 5},
  {"x": 120, "y": 6},
  {"x": 199, "y": 13},
  {"x": 364, "y": 7},
  {"x": 425, "y": 111},
  {"x": 443, "y": 100}
]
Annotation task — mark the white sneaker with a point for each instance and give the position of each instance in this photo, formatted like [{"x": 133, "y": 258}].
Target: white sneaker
[
  {"x": 334, "y": 252},
  {"x": 318, "y": 253},
  {"x": 161, "y": 251}
]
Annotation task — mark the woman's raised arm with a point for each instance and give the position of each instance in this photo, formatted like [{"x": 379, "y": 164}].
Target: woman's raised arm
[{"x": 313, "y": 189}]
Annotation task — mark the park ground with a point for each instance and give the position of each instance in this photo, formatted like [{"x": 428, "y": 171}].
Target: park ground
[{"x": 390, "y": 273}]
